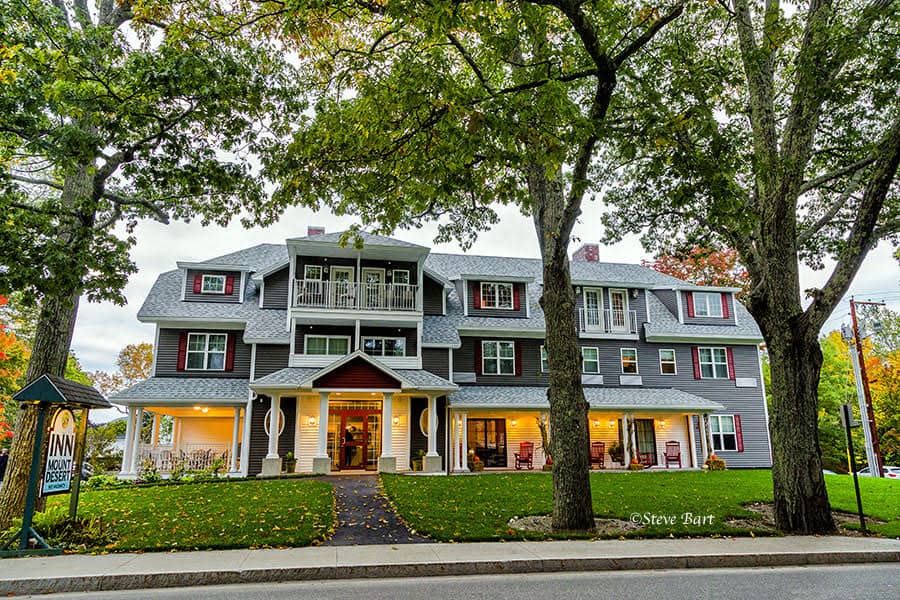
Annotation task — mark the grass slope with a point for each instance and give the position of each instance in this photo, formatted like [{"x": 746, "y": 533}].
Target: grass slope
[
  {"x": 227, "y": 514},
  {"x": 475, "y": 508}
]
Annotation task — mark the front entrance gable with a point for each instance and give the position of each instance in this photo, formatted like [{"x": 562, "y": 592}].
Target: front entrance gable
[{"x": 357, "y": 373}]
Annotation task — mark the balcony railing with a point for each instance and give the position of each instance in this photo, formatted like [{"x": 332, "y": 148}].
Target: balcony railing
[
  {"x": 349, "y": 295},
  {"x": 607, "y": 321}
]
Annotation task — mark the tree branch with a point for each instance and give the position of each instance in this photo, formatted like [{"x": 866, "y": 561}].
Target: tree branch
[
  {"x": 816, "y": 182},
  {"x": 120, "y": 201},
  {"x": 470, "y": 61},
  {"x": 645, "y": 37},
  {"x": 31, "y": 181},
  {"x": 832, "y": 210}
]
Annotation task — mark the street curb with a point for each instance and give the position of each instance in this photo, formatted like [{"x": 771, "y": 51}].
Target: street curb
[{"x": 134, "y": 581}]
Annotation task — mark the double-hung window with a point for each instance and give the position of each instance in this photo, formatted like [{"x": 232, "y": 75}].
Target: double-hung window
[
  {"x": 629, "y": 361},
  {"x": 498, "y": 358},
  {"x": 667, "y": 362},
  {"x": 312, "y": 272},
  {"x": 713, "y": 363},
  {"x": 707, "y": 304},
  {"x": 496, "y": 295},
  {"x": 384, "y": 346},
  {"x": 590, "y": 360},
  {"x": 723, "y": 433},
  {"x": 331, "y": 345},
  {"x": 213, "y": 284},
  {"x": 206, "y": 351},
  {"x": 545, "y": 362},
  {"x": 400, "y": 277}
]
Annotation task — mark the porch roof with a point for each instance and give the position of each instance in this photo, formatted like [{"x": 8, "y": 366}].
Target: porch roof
[
  {"x": 204, "y": 390},
  {"x": 522, "y": 397}
]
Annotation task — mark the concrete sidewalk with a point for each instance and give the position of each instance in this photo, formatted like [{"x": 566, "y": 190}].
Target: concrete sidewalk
[{"x": 154, "y": 570}]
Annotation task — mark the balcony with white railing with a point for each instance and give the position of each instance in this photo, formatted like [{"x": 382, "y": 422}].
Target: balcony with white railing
[
  {"x": 607, "y": 321},
  {"x": 350, "y": 295}
]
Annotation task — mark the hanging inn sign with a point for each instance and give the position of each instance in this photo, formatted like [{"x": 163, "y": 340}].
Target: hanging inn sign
[{"x": 60, "y": 454}]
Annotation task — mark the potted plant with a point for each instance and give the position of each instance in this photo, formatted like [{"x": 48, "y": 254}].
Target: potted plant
[
  {"x": 714, "y": 463},
  {"x": 417, "y": 462},
  {"x": 289, "y": 464},
  {"x": 617, "y": 452},
  {"x": 477, "y": 464}
]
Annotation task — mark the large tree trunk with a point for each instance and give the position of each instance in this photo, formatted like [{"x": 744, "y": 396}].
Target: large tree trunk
[
  {"x": 49, "y": 355},
  {"x": 570, "y": 441}
]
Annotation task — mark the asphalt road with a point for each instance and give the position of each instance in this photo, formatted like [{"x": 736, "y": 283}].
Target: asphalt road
[{"x": 869, "y": 582}]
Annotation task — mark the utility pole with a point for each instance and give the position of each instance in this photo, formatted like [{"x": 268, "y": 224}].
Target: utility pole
[{"x": 875, "y": 468}]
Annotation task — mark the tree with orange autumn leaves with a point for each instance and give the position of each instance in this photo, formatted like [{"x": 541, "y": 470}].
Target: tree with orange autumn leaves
[
  {"x": 13, "y": 362},
  {"x": 704, "y": 266}
]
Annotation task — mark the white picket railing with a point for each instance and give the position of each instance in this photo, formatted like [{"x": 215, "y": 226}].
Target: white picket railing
[
  {"x": 348, "y": 295},
  {"x": 193, "y": 457},
  {"x": 607, "y": 320}
]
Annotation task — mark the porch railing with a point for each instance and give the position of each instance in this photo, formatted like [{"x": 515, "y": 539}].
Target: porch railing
[
  {"x": 349, "y": 295},
  {"x": 192, "y": 457},
  {"x": 607, "y": 320}
]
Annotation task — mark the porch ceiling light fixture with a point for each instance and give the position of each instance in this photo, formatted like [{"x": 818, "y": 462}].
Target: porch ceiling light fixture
[
  {"x": 663, "y": 424},
  {"x": 311, "y": 421},
  {"x": 204, "y": 410},
  {"x": 513, "y": 422},
  {"x": 596, "y": 423},
  {"x": 611, "y": 423},
  {"x": 396, "y": 420}
]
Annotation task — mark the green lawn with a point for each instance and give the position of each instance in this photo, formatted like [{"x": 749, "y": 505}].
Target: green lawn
[
  {"x": 476, "y": 508},
  {"x": 228, "y": 514}
]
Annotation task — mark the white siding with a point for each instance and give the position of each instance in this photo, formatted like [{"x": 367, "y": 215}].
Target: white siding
[{"x": 307, "y": 436}]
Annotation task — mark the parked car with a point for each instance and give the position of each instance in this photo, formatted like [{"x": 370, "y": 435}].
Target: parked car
[{"x": 890, "y": 472}]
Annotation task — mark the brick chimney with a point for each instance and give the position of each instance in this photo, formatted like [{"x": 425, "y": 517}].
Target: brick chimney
[
  {"x": 587, "y": 253},
  {"x": 312, "y": 230}
]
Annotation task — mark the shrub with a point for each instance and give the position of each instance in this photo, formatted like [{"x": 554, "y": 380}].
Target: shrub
[
  {"x": 102, "y": 482},
  {"x": 147, "y": 472}
]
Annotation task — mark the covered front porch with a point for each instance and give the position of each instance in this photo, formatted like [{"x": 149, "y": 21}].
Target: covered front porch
[
  {"x": 354, "y": 415},
  {"x": 647, "y": 424}
]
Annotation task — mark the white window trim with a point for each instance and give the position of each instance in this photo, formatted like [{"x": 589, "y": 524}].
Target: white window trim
[
  {"x": 362, "y": 344},
  {"x": 203, "y": 289},
  {"x": 498, "y": 358},
  {"x": 637, "y": 367},
  {"x": 544, "y": 357},
  {"x": 716, "y": 305},
  {"x": 674, "y": 362},
  {"x": 713, "y": 363},
  {"x": 497, "y": 285},
  {"x": 394, "y": 276},
  {"x": 205, "y": 351},
  {"x": 306, "y": 276},
  {"x": 720, "y": 436},
  {"x": 583, "y": 360},
  {"x": 329, "y": 338}
]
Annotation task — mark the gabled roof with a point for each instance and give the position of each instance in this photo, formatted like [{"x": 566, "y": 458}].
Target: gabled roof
[
  {"x": 56, "y": 390},
  {"x": 664, "y": 326},
  {"x": 184, "y": 389},
  {"x": 368, "y": 239}
]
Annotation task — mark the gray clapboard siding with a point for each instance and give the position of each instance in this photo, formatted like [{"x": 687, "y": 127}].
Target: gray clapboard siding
[
  {"x": 276, "y": 289},
  {"x": 387, "y": 265},
  {"x": 270, "y": 358},
  {"x": 433, "y": 294},
  {"x": 189, "y": 294},
  {"x": 410, "y": 334},
  {"x": 437, "y": 361},
  {"x": 417, "y": 439},
  {"x": 167, "y": 355},
  {"x": 259, "y": 439},
  {"x": 304, "y": 330}
]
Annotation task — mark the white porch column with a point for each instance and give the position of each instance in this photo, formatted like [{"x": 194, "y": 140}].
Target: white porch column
[
  {"x": 136, "y": 439},
  {"x": 176, "y": 434},
  {"x": 271, "y": 465},
  {"x": 633, "y": 434},
  {"x": 464, "y": 450},
  {"x": 432, "y": 463},
  {"x": 235, "y": 437},
  {"x": 154, "y": 439},
  {"x": 453, "y": 460},
  {"x": 457, "y": 442},
  {"x": 245, "y": 440},
  {"x": 691, "y": 443},
  {"x": 321, "y": 462},
  {"x": 626, "y": 436},
  {"x": 387, "y": 462},
  {"x": 126, "y": 451},
  {"x": 704, "y": 448}
]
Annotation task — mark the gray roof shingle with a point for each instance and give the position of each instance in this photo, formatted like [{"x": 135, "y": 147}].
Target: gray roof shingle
[
  {"x": 294, "y": 376},
  {"x": 185, "y": 388},
  {"x": 664, "y": 323},
  {"x": 599, "y": 398},
  {"x": 368, "y": 239}
]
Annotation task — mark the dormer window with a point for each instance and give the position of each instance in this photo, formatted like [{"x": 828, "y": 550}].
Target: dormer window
[
  {"x": 497, "y": 295},
  {"x": 213, "y": 284},
  {"x": 707, "y": 305}
]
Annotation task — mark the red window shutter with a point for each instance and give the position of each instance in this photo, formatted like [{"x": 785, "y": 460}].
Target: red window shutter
[
  {"x": 738, "y": 433},
  {"x": 725, "y": 313},
  {"x": 476, "y": 294},
  {"x": 690, "y": 303},
  {"x": 730, "y": 352},
  {"x": 182, "y": 351},
  {"x": 198, "y": 283},
  {"x": 229, "y": 285},
  {"x": 478, "y": 365},
  {"x": 517, "y": 299},
  {"x": 518, "y": 348},
  {"x": 695, "y": 352},
  {"x": 229, "y": 352}
]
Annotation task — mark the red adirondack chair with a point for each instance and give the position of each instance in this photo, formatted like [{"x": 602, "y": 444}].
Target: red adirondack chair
[
  {"x": 673, "y": 453},
  {"x": 646, "y": 459},
  {"x": 525, "y": 455},
  {"x": 598, "y": 454}
]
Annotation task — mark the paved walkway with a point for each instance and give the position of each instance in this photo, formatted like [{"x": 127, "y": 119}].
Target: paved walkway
[
  {"x": 78, "y": 572},
  {"x": 365, "y": 516}
]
